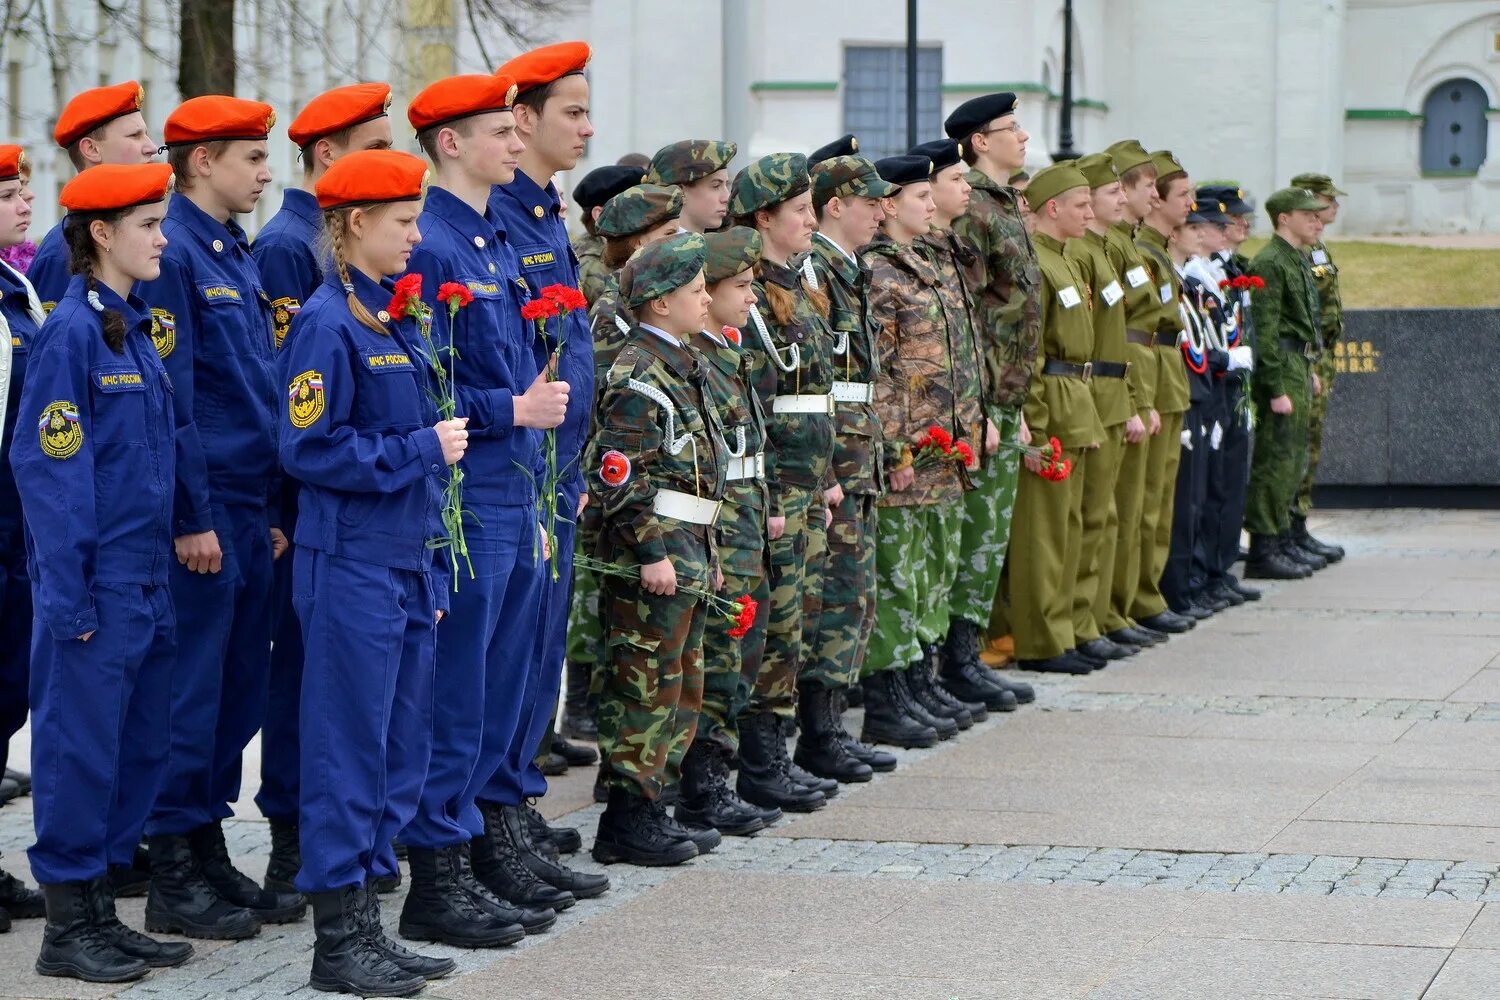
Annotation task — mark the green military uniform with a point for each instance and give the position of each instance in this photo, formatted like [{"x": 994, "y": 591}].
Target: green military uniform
[
  {"x": 1331, "y": 320},
  {"x": 592, "y": 274}
]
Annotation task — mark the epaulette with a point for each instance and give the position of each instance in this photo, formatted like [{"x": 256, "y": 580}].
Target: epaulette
[{"x": 624, "y": 367}]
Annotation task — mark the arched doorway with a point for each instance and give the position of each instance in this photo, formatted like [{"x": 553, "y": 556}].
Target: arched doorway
[{"x": 1454, "y": 130}]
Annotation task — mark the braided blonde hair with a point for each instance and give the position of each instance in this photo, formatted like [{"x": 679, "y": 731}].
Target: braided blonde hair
[{"x": 335, "y": 232}]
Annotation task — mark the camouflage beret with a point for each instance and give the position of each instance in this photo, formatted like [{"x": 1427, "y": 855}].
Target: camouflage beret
[
  {"x": 603, "y": 183},
  {"x": 770, "y": 180},
  {"x": 1049, "y": 182},
  {"x": 848, "y": 177},
  {"x": 637, "y": 209},
  {"x": 845, "y": 146},
  {"x": 943, "y": 153},
  {"x": 661, "y": 268},
  {"x": 734, "y": 250},
  {"x": 689, "y": 160},
  {"x": 1167, "y": 165},
  {"x": 1128, "y": 154},
  {"x": 1320, "y": 184},
  {"x": 1099, "y": 168}
]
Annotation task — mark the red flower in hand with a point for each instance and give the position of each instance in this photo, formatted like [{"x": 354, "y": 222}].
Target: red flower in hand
[
  {"x": 408, "y": 291},
  {"x": 1225, "y": 283},
  {"x": 455, "y": 294},
  {"x": 1257, "y": 282},
  {"x": 967, "y": 454},
  {"x": 924, "y": 441},
  {"x": 744, "y": 620},
  {"x": 539, "y": 309},
  {"x": 1056, "y": 447},
  {"x": 566, "y": 297},
  {"x": 940, "y": 437}
]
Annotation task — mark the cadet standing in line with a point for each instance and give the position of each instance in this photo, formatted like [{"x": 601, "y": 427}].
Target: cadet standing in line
[
  {"x": 590, "y": 196},
  {"x": 1331, "y": 320},
  {"x": 701, "y": 168},
  {"x": 658, "y": 463},
  {"x": 846, "y": 197},
  {"x": 633, "y": 218},
  {"x": 287, "y": 255},
  {"x": 94, "y": 470},
  {"x": 103, "y": 125},
  {"x": 1049, "y": 515},
  {"x": 1287, "y": 342},
  {"x": 361, "y": 431},
  {"x": 212, "y": 322}
]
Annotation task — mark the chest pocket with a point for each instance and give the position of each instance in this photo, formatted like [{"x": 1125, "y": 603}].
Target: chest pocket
[
  {"x": 119, "y": 402},
  {"x": 387, "y": 394}
]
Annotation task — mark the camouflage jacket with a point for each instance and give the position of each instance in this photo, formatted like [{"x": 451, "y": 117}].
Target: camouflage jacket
[
  {"x": 592, "y": 273},
  {"x": 914, "y": 383},
  {"x": 1062, "y": 406},
  {"x": 658, "y": 429},
  {"x": 957, "y": 266},
  {"x": 856, "y": 448},
  {"x": 741, "y": 531},
  {"x": 610, "y": 322},
  {"x": 791, "y": 359},
  {"x": 1006, "y": 302},
  {"x": 1286, "y": 309},
  {"x": 1172, "y": 393},
  {"x": 1112, "y": 396},
  {"x": 1330, "y": 306}
]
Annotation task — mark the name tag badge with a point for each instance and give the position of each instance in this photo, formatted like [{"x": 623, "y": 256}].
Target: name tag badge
[
  {"x": 118, "y": 380},
  {"x": 1136, "y": 277},
  {"x": 388, "y": 361},
  {"x": 1069, "y": 297},
  {"x": 219, "y": 293},
  {"x": 1166, "y": 292},
  {"x": 1112, "y": 293},
  {"x": 535, "y": 258},
  {"x": 1320, "y": 256}
]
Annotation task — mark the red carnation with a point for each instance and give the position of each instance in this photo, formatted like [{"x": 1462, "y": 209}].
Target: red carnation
[
  {"x": 454, "y": 291},
  {"x": 744, "y": 620},
  {"x": 1257, "y": 282},
  {"x": 539, "y": 309},
  {"x": 1225, "y": 283},
  {"x": 967, "y": 454},
  {"x": 408, "y": 290},
  {"x": 1056, "y": 447},
  {"x": 566, "y": 297},
  {"x": 940, "y": 437}
]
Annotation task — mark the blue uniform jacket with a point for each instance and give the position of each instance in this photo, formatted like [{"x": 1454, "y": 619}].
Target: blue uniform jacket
[
  {"x": 288, "y": 263},
  {"x": 94, "y": 461},
  {"x": 214, "y": 334},
  {"x": 356, "y": 431},
  {"x": 497, "y": 357},
  {"x": 15, "y": 307},
  {"x": 532, "y": 218},
  {"x": 48, "y": 272}
]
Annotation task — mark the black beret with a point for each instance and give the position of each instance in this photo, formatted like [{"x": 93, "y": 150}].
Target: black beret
[
  {"x": 974, "y": 114},
  {"x": 904, "y": 169},
  {"x": 942, "y": 152},
  {"x": 603, "y": 183},
  {"x": 847, "y": 146}
]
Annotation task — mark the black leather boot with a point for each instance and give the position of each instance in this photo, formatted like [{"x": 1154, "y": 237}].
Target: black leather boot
[
  {"x": 286, "y": 858},
  {"x": 133, "y": 879},
  {"x": 1240, "y": 587},
  {"x": 563, "y": 839},
  {"x": 630, "y": 830},
  {"x": 18, "y": 901},
  {"x": 1170, "y": 622},
  {"x": 578, "y": 705},
  {"x": 917, "y": 681},
  {"x": 1329, "y": 551},
  {"x": 532, "y": 921},
  {"x": 131, "y": 942},
  {"x": 886, "y": 718},
  {"x": 583, "y": 885},
  {"x": 346, "y": 958},
  {"x": 704, "y": 837},
  {"x": 73, "y": 943},
  {"x": 965, "y": 675},
  {"x": 820, "y": 747},
  {"x": 182, "y": 901},
  {"x": 575, "y": 755},
  {"x": 706, "y": 800},
  {"x": 497, "y": 864},
  {"x": 395, "y": 952},
  {"x": 765, "y": 770},
  {"x": 976, "y": 709},
  {"x": 1268, "y": 562},
  {"x": 237, "y": 888},
  {"x": 1305, "y": 556},
  {"x": 439, "y": 909}
]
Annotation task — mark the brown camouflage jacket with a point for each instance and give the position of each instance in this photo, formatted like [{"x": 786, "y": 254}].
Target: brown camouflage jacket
[{"x": 958, "y": 267}]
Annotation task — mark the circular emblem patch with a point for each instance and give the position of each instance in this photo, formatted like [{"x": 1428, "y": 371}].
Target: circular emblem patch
[
  {"x": 732, "y": 334},
  {"x": 304, "y": 399},
  {"x": 614, "y": 468},
  {"x": 61, "y": 433}
]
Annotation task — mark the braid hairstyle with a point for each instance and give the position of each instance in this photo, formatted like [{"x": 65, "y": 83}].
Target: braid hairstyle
[
  {"x": 335, "y": 232},
  {"x": 82, "y": 259},
  {"x": 782, "y": 302}
]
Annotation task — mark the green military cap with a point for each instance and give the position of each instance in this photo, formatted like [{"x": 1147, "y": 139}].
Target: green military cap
[
  {"x": 734, "y": 250},
  {"x": 1319, "y": 184},
  {"x": 1049, "y": 182},
  {"x": 770, "y": 180},
  {"x": 689, "y": 160},
  {"x": 1099, "y": 168},
  {"x": 848, "y": 177},
  {"x": 662, "y": 267},
  {"x": 1127, "y": 154},
  {"x": 637, "y": 209},
  {"x": 1167, "y": 165},
  {"x": 1292, "y": 199}
]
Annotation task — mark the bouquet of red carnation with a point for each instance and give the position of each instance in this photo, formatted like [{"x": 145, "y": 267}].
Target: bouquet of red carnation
[
  {"x": 739, "y": 611},
  {"x": 744, "y": 620},
  {"x": 1054, "y": 467},
  {"x": 554, "y": 301}
]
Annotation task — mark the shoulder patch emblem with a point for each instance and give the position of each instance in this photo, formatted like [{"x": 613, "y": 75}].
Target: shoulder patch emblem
[
  {"x": 61, "y": 433},
  {"x": 283, "y": 310},
  {"x": 163, "y": 331},
  {"x": 614, "y": 468},
  {"x": 304, "y": 399}
]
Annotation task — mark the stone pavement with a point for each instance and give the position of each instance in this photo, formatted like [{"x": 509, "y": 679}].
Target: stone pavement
[{"x": 1301, "y": 798}]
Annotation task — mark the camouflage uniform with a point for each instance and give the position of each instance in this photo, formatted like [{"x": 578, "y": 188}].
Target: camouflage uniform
[
  {"x": 1331, "y": 319},
  {"x": 689, "y": 160},
  {"x": 592, "y": 274},
  {"x": 585, "y": 624}
]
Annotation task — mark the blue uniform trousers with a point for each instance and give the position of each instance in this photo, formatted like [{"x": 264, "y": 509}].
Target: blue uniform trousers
[
  {"x": 1178, "y": 584},
  {"x": 220, "y": 683},
  {"x": 280, "y": 749},
  {"x": 484, "y": 669},
  {"x": 15, "y": 646},
  {"x": 1230, "y": 484},
  {"x": 99, "y": 726},
  {"x": 367, "y": 703}
]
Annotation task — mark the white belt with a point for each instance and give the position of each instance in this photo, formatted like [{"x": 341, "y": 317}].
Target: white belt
[
  {"x": 802, "y": 404},
  {"x": 747, "y": 467},
  {"x": 853, "y": 392},
  {"x": 681, "y": 506}
]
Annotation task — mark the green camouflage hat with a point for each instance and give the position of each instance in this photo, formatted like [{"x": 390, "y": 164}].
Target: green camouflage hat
[
  {"x": 734, "y": 250},
  {"x": 1127, "y": 154},
  {"x": 1049, "y": 182},
  {"x": 1099, "y": 168},
  {"x": 689, "y": 160},
  {"x": 768, "y": 181},
  {"x": 662, "y": 267},
  {"x": 1167, "y": 165},
  {"x": 637, "y": 209},
  {"x": 848, "y": 177},
  {"x": 1292, "y": 199},
  {"x": 1319, "y": 184}
]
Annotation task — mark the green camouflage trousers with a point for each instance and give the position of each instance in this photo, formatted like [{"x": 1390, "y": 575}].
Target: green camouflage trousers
[
  {"x": 901, "y": 588},
  {"x": 585, "y": 646},
  {"x": 944, "y": 553},
  {"x": 1096, "y": 554},
  {"x": 797, "y": 561},
  {"x": 653, "y": 685},
  {"x": 986, "y": 513},
  {"x": 1277, "y": 464},
  {"x": 1316, "y": 411},
  {"x": 1163, "y": 454},
  {"x": 848, "y": 615},
  {"x": 730, "y": 665}
]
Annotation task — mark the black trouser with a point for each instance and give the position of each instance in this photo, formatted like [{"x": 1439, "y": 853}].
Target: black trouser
[
  {"x": 1228, "y": 481},
  {"x": 1177, "y": 584}
]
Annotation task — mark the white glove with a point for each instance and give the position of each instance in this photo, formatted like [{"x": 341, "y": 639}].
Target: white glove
[
  {"x": 1187, "y": 439},
  {"x": 1217, "y": 438},
  {"x": 1241, "y": 358}
]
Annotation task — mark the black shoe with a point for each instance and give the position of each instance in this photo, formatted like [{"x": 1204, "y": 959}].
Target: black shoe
[
  {"x": 1240, "y": 587},
  {"x": 1102, "y": 648},
  {"x": 234, "y": 886},
  {"x": 820, "y": 746},
  {"x": 497, "y": 864},
  {"x": 707, "y": 800},
  {"x": 912, "y": 704},
  {"x": 384, "y": 885},
  {"x": 807, "y": 779},
  {"x": 765, "y": 769},
  {"x": 18, "y": 901},
  {"x": 1224, "y": 592},
  {"x": 1210, "y": 598},
  {"x": 396, "y": 953},
  {"x": 564, "y": 839},
  {"x": 133, "y": 879},
  {"x": 976, "y": 709},
  {"x": 134, "y": 944},
  {"x": 704, "y": 837},
  {"x": 1298, "y": 553},
  {"x": 583, "y": 885},
  {"x": 1330, "y": 552},
  {"x": 1094, "y": 662},
  {"x": 1138, "y": 636},
  {"x": 1269, "y": 562},
  {"x": 630, "y": 831},
  {"x": 1168, "y": 622},
  {"x": 923, "y": 691},
  {"x": 182, "y": 901},
  {"x": 552, "y": 764},
  {"x": 286, "y": 858},
  {"x": 886, "y": 719},
  {"x": 532, "y": 921},
  {"x": 1193, "y": 611},
  {"x": 575, "y": 755},
  {"x": 1067, "y": 663},
  {"x": 579, "y": 706},
  {"x": 73, "y": 943},
  {"x": 965, "y": 675},
  {"x": 23, "y": 780},
  {"x": 880, "y": 761},
  {"x": 346, "y": 957},
  {"x": 438, "y": 908},
  {"x": 1024, "y": 693}
]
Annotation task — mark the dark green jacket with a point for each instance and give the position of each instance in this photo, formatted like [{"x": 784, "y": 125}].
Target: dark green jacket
[
  {"x": 1330, "y": 306},
  {"x": 1285, "y": 310}
]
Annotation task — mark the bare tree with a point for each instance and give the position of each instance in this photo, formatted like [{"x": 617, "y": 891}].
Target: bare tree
[{"x": 206, "y": 62}]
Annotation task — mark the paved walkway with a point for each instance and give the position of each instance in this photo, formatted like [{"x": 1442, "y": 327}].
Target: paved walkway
[{"x": 1299, "y": 799}]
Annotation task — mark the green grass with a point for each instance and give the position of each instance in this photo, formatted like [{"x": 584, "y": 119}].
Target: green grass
[{"x": 1389, "y": 276}]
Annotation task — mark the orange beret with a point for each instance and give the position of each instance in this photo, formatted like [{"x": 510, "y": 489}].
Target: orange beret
[
  {"x": 540, "y": 67},
  {"x": 371, "y": 176},
  {"x": 12, "y": 162},
  {"x": 218, "y": 117},
  {"x": 92, "y": 108},
  {"x": 109, "y": 187},
  {"x": 340, "y": 108},
  {"x": 457, "y": 97}
]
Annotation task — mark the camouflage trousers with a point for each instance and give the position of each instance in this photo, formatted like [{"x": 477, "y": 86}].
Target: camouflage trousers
[
  {"x": 944, "y": 553},
  {"x": 901, "y": 582},
  {"x": 1278, "y": 463},
  {"x": 585, "y": 648},
  {"x": 1163, "y": 454},
  {"x": 730, "y": 665},
  {"x": 986, "y": 514},
  {"x": 1096, "y": 553},
  {"x": 1317, "y": 410},
  {"x": 1044, "y": 560},
  {"x": 848, "y": 615},
  {"x": 653, "y": 688},
  {"x": 1125, "y": 570},
  {"x": 797, "y": 560}
]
